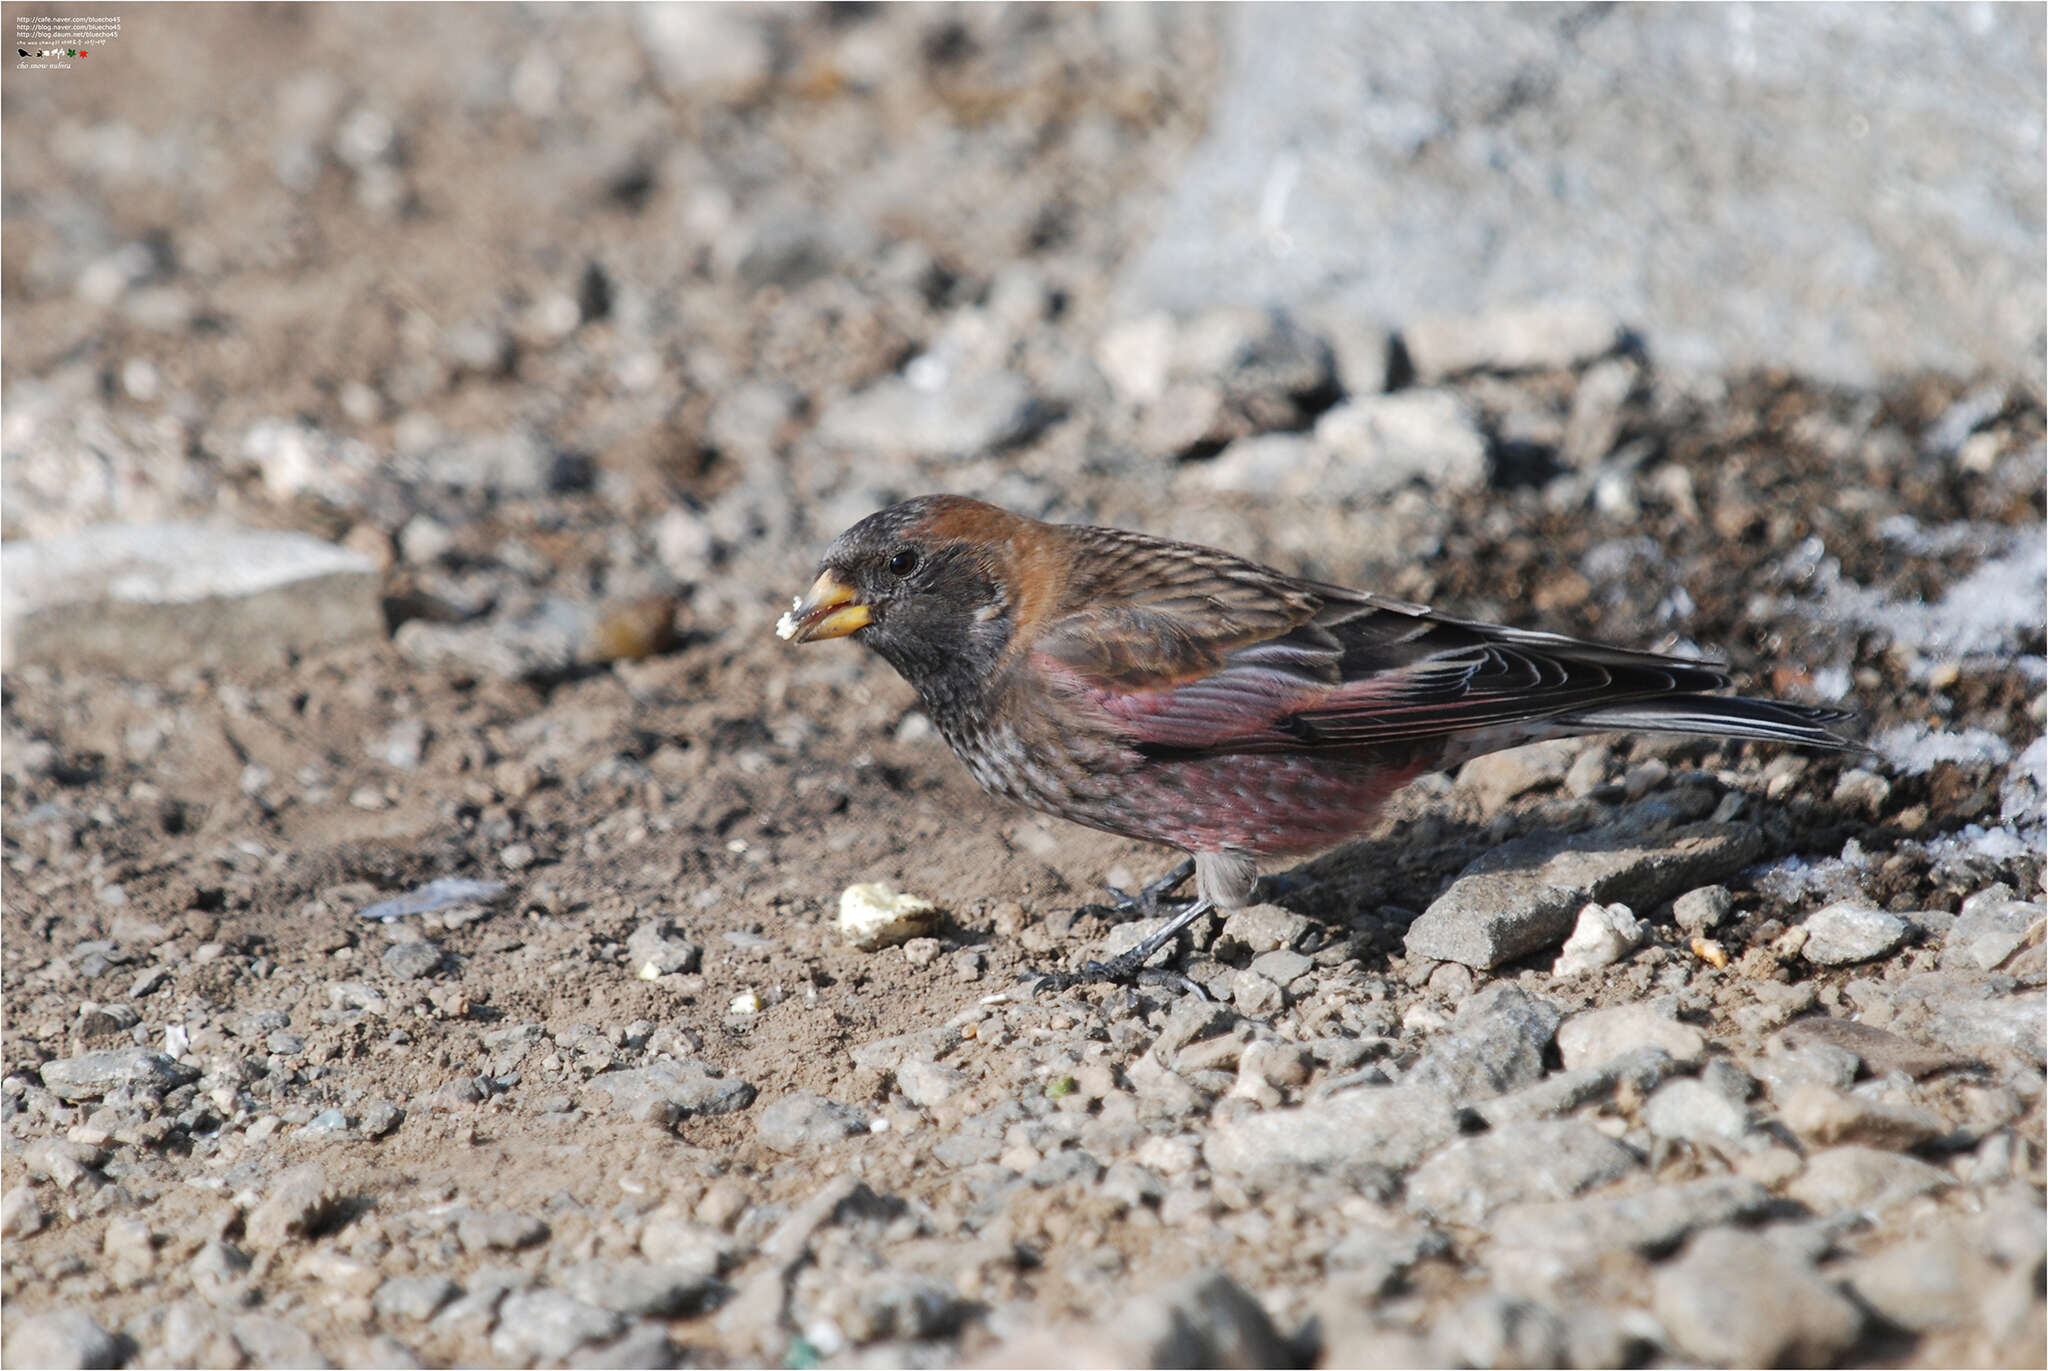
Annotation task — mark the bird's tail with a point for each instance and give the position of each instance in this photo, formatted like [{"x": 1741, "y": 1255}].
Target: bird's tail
[{"x": 1719, "y": 716}]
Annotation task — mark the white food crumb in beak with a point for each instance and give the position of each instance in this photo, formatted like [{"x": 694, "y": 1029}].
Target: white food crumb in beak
[{"x": 785, "y": 627}]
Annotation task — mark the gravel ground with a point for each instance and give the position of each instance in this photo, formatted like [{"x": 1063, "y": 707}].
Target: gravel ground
[{"x": 470, "y": 990}]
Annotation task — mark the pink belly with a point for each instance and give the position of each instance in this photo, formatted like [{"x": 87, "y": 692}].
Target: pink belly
[{"x": 1271, "y": 804}]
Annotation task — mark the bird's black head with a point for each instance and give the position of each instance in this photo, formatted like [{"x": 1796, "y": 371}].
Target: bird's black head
[{"x": 927, "y": 584}]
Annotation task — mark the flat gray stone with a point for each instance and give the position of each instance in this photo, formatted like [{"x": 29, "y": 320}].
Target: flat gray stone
[
  {"x": 415, "y": 1298},
  {"x": 498, "y": 1231},
  {"x": 1644, "y": 1068},
  {"x": 1864, "y": 1178},
  {"x": 965, "y": 417},
  {"x": 1374, "y": 1129},
  {"x": 1517, "y": 1163},
  {"x": 1597, "y": 1036},
  {"x": 1744, "y": 1300},
  {"x": 144, "y": 599},
  {"x": 1989, "y": 931},
  {"x": 1525, "y": 895},
  {"x": 547, "y": 1325},
  {"x": 1688, "y": 1108},
  {"x": 94, "y": 1074},
  {"x": 635, "y": 1287},
  {"x": 803, "y": 1120},
  {"x": 64, "y": 1338},
  {"x": 1847, "y": 933},
  {"x": 1649, "y": 1222},
  {"x": 1400, "y": 164},
  {"x": 1495, "y": 1043},
  {"x": 1823, "y": 1117},
  {"x": 666, "y": 1091},
  {"x": 1498, "y": 777}
]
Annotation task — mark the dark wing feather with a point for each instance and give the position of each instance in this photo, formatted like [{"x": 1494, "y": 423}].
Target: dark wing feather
[{"x": 1194, "y": 650}]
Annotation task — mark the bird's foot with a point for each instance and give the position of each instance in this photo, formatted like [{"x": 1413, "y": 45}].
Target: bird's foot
[
  {"x": 1150, "y": 902},
  {"x": 1116, "y": 971}
]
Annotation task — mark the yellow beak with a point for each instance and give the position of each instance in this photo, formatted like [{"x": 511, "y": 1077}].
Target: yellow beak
[{"x": 829, "y": 610}]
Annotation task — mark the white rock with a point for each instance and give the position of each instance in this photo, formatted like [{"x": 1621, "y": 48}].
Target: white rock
[
  {"x": 873, "y": 916},
  {"x": 1605, "y": 934},
  {"x": 1845, "y": 933}
]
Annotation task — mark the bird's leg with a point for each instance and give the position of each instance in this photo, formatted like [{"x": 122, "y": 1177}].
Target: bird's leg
[
  {"x": 1147, "y": 901},
  {"x": 1125, "y": 966}
]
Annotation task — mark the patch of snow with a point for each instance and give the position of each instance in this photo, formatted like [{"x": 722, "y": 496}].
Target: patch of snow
[{"x": 1915, "y": 748}]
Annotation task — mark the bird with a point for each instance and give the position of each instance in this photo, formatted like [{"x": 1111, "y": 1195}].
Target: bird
[{"x": 1186, "y": 696}]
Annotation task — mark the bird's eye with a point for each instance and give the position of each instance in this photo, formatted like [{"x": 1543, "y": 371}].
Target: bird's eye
[{"x": 903, "y": 563}]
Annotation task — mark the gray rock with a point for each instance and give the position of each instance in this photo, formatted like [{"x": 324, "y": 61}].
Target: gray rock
[
  {"x": 1262, "y": 359},
  {"x": 666, "y": 1091},
  {"x": 1643, "y": 1068},
  {"x": 1743, "y": 1300},
  {"x": 1286, "y": 463},
  {"x": 1882, "y": 1051},
  {"x": 67, "y": 1338},
  {"x": 1361, "y": 1132},
  {"x": 887, "y": 1054},
  {"x": 1865, "y": 1178},
  {"x": 417, "y": 1298},
  {"x": 1988, "y": 931},
  {"x": 20, "y": 1215},
  {"x": 299, "y": 1203},
  {"x": 631, "y": 1287},
  {"x": 1400, "y": 161},
  {"x": 1700, "y": 912},
  {"x": 1266, "y": 928},
  {"x": 1597, "y": 1036},
  {"x": 498, "y": 1231},
  {"x": 448, "y": 892},
  {"x": 1495, "y": 1043},
  {"x": 1694, "y": 1109},
  {"x": 1378, "y": 443},
  {"x": 146, "y": 599},
  {"x": 1524, "y": 895},
  {"x": 268, "y": 1342},
  {"x": 545, "y": 641},
  {"x": 1846, "y": 933},
  {"x": 1204, "y": 1320},
  {"x": 1541, "y": 338},
  {"x": 1513, "y": 1164},
  {"x": 643, "y": 1346},
  {"x": 968, "y": 416},
  {"x": 1498, "y": 777},
  {"x": 898, "y": 1305},
  {"x": 804, "y": 1121},
  {"x": 654, "y": 949},
  {"x": 94, "y": 1074},
  {"x": 1500, "y": 1330},
  {"x": 1824, "y": 1116},
  {"x": 1651, "y": 1222},
  {"x": 413, "y": 960},
  {"x": 925, "y": 1083},
  {"x": 548, "y": 1325},
  {"x": 1966, "y": 1021},
  {"x": 379, "y": 1119}
]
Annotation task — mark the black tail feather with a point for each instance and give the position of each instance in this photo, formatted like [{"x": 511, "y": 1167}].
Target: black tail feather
[{"x": 1723, "y": 716}]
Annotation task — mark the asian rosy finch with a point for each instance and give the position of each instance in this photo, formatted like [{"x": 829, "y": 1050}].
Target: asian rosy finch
[{"x": 1186, "y": 696}]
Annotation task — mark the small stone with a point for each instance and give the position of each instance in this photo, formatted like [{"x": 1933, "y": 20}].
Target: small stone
[
  {"x": 922, "y": 951},
  {"x": 1846, "y": 933},
  {"x": 1201, "y": 1321},
  {"x": 1701, "y": 911},
  {"x": 1604, "y": 935},
  {"x": 803, "y": 1121},
  {"x": 379, "y": 1119},
  {"x": 409, "y": 961},
  {"x": 67, "y": 1339},
  {"x": 926, "y": 1084},
  {"x": 655, "y": 950},
  {"x": 1496, "y": 1042},
  {"x": 1358, "y": 1132},
  {"x": 873, "y": 916},
  {"x": 299, "y": 1203},
  {"x": 415, "y": 1298},
  {"x": 1824, "y": 1116},
  {"x": 1267, "y": 928},
  {"x": 1498, "y": 777},
  {"x": 547, "y": 1325},
  {"x": 1602, "y": 1035},
  {"x": 1500, "y": 1330},
  {"x": 966, "y": 416},
  {"x": 1516, "y": 1163},
  {"x": 630, "y": 1287},
  {"x": 1861, "y": 790},
  {"x": 1866, "y": 1178},
  {"x": 1651, "y": 1221},
  {"x": 1375, "y": 444},
  {"x": 20, "y": 1215},
  {"x": 1743, "y": 1300},
  {"x": 95, "y": 1074},
  {"x": 1545, "y": 337},
  {"x": 1694, "y": 1109},
  {"x": 1988, "y": 931},
  {"x": 498, "y": 1231}
]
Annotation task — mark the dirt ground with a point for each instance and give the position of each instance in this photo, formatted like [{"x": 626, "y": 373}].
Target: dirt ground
[{"x": 549, "y": 328}]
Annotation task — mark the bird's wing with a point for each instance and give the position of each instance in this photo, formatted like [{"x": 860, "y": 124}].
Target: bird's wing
[{"x": 1208, "y": 653}]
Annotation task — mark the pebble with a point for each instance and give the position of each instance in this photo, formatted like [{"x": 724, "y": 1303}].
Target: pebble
[
  {"x": 446, "y": 893},
  {"x": 547, "y": 1325},
  {"x": 410, "y": 961},
  {"x": 1743, "y": 1300},
  {"x": 655, "y": 949},
  {"x": 1516, "y": 1163},
  {"x": 1603, "y": 936},
  {"x": 96, "y": 1074},
  {"x": 1597, "y": 1036},
  {"x": 1544, "y": 337},
  {"x": 1693, "y": 1109},
  {"x": 414, "y": 1298},
  {"x": 630, "y": 1287},
  {"x": 1525, "y": 895},
  {"x": 20, "y": 1215},
  {"x": 1843, "y": 934},
  {"x": 1358, "y": 1131},
  {"x": 1205, "y": 1320},
  {"x": 1500, "y": 1330},
  {"x": 1375, "y": 444},
  {"x": 1864, "y": 1178},
  {"x": 69, "y": 1339},
  {"x": 1496, "y": 1042},
  {"x": 1701, "y": 911},
  {"x": 965, "y": 417},
  {"x": 1498, "y": 777},
  {"x": 804, "y": 1121},
  {"x": 498, "y": 1231},
  {"x": 1825, "y": 1116},
  {"x": 1990, "y": 930}
]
